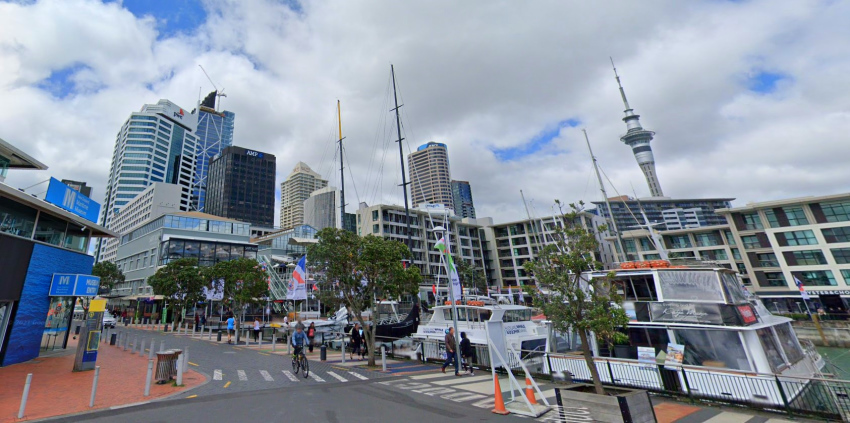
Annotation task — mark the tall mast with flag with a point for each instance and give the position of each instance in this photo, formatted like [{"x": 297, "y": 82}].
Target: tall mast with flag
[{"x": 298, "y": 281}]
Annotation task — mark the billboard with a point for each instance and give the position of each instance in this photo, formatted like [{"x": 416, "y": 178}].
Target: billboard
[
  {"x": 67, "y": 198},
  {"x": 71, "y": 285}
]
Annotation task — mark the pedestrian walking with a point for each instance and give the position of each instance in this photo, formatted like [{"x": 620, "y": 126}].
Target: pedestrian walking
[
  {"x": 197, "y": 321},
  {"x": 231, "y": 324},
  {"x": 451, "y": 350},
  {"x": 256, "y": 329},
  {"x": 356, "y": 339},
  {"x": 466, "y": 352},
  {"x": 311, "y": 334}
]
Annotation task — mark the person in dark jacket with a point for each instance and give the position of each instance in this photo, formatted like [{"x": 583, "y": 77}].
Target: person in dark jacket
[
  {"x": 356, "y": 339},
  {"x": 311, "y": 334},
  {"x": 466, "y": 351},
  {"x": 451, "y": 350}
]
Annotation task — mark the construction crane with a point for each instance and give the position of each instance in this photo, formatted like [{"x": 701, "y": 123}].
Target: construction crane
[{"x": 218, "y": 93}]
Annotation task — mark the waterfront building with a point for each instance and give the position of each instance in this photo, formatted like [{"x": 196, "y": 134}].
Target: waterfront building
[
  {"x": 156, "y": 144},
  {"x": 321, "y": 209},
  {"x": 241, "y": 186},
  {"x": 430, "y": 177},
  {"x": 627, "y": 211},
  {"x": 215, "y": 133},
  {"x": 294, "y": 190},
  {"x": 462, "y": 199}
]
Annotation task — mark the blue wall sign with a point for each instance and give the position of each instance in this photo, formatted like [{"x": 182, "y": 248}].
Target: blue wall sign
[
  {"x": 69, "y": 285},
  {"x": 69, "y": 199}
]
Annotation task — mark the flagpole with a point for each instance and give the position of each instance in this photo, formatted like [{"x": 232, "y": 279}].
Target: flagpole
[
  {"x": 450, "y": 286},
  {"x": 814, "y": 316}
]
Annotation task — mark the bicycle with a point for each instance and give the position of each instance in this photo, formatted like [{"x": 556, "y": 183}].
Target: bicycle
[{"x": 299, "y": 361}]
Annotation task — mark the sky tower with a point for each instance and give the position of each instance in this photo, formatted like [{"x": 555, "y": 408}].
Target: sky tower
[{"x": 638, "y": 139}]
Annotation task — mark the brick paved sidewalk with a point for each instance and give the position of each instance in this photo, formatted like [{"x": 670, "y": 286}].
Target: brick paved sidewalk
[{"x": 57, "y": 390}]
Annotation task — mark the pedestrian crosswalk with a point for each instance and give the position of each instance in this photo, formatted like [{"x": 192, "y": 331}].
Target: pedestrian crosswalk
[{"x": 321, "y": 376}]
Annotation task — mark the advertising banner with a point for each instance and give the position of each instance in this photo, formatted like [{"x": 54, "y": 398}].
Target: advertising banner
[
  {"x": 686, "y": 313},
  {"x": 69, "y": 199},
  {"x": 685, "y": 285},
  {"x": 646, "y": 355},
  {"x": 675, "y": 356}
]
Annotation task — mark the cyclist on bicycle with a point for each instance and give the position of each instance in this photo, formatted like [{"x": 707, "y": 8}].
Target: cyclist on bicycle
[{"x": 299, "y": 340}]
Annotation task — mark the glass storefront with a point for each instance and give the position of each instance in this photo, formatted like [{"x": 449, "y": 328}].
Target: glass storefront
[{"x": 208, "y": 253}]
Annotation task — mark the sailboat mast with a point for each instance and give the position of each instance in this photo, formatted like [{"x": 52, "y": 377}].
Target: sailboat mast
[
  {"x": 401, "y": 157},
  {"x": 341, "y": 173},
  {"x": 605, "y": 195},
  {"x": 533, "y": 225}
]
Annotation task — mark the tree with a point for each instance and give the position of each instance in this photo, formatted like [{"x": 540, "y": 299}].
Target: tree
[
  {"x": 180, "y": 281},
  {"x": 471, "y": 276},
  {"x": 355, "y": 271},
  {"x": 575, "y": 303},
  {"x": 243, "y": 281},
  {"x": 109, "y": 274}
]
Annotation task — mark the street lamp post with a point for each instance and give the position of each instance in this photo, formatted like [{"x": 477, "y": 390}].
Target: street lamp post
[{"x": 440, "y": 229}]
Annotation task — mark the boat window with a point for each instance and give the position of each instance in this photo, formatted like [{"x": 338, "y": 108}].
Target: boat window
[
  {"x": 734, "y": 291},
  {"x": 638, "y": 288},
  {"x": 771, "y": 350},
  {"x": 689, "y": 285},
  {"x": 649, "y": 337},
  {"x": 789, "y": 343},
  {"x": 485, "y": 315},
  {"x": 713, "y": 348},
  {"x": 517, "y": 315}
]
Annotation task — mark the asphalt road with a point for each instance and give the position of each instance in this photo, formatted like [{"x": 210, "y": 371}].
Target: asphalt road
[
  {"x": 231, "y": 368},
  {"x": 363, "y": 401}
]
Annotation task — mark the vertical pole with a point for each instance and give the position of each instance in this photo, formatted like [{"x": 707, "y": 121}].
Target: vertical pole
[
  {"x": 401, "y": 157},
  {"x": 185, "y": 358},
  {"x": 782, "y": 395},
  {"x": 150, "y": 354},
  {"x": 274, "y": 340},
  {"x": 94, "y": 386},
  {"x": 162, "y": 345},
  {"x": 209, "y": 337},
  {"x": 625, "y": 256},
  {"x": 142, "y": 349},
  {"x": 180, "y": 364},
  {"x": 341, "y": 173},
  {"x": 383, "y": 358},
  {"x": 148, "y": 377},
  {"x": 25, "y": 396}
]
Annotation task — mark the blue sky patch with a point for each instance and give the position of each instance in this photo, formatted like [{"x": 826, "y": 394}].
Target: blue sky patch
[
  {"x": 172, "y": 17},
  {"x": 60, "y": 83},
  {"x": 764, "y": 82},
  {"x": 537, "y": 143}
]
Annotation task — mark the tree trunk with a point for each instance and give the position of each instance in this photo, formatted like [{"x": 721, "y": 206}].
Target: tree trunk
[{"x": 588, "y": 359}]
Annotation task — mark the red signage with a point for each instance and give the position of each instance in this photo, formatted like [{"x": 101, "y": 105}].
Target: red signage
[{"x": 747, "y": 314}]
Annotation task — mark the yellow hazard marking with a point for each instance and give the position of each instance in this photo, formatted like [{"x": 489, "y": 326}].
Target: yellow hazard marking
[
  {"x": 192, "y": 396},
  {"x": 227, "y": 384},
  {"x": 193, "y": 364}
]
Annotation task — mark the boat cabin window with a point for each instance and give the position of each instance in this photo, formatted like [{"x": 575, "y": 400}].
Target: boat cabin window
[
  {"x": 465, "y": 314},
  {"x": 713, "y": 348},
  {"x": 690, "y": 285},
  {"x": 734, "y": 292},
  {"x": 523, "y": 315},
  {"x": 790, "y": 344},
  {"x": 649, "y": 337},
  {"x": 638, "y": 288},
  {"x": 771, "y": 349}
]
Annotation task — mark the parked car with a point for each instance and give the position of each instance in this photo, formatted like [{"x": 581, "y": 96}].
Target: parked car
[{"x": 109, "y": 321}]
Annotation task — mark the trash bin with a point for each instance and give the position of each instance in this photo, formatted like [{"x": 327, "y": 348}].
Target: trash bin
[
  {"x": 165, "y": 362},
  {"x": 113, "y": 338},
  {"x": 77, "y": 330},
  {"x": 323, "y": 353},
  {"x": 219, "y": 335}
]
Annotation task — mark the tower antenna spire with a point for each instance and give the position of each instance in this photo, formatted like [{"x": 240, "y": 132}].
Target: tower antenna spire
[{"x": 622, "y": 91}]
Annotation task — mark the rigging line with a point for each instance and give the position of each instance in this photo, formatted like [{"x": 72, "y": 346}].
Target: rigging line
[
  {"x": 404, "y": 127},
  {"x": 618, "y": 195},
  {"x": 587, "y": 184},
  {"x": 381, "y": 123},
  {"x": 378, "y": 191},
  {"x": 356, "y": 193}
]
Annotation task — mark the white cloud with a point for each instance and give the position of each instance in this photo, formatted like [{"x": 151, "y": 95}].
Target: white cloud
[{"x": 478, "y": 76}]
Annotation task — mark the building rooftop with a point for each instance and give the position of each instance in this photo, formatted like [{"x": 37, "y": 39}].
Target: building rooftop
[
  {"x": 659, "y": 200},
  {"x": 201, "y": 215},
  {"x": 18, "y": 159},
  {"x": 785, "y": 202},
  {"x": 431, "y": 143}
]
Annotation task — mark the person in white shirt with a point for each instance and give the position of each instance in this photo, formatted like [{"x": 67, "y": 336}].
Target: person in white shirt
[{"x": 256, "y": 329}]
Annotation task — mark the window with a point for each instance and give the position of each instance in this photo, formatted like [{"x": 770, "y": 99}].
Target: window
[
  {"x": 16, "y": 219},
  {"x": 772, "y": 220},
  {"x": 707, "y": 239},
  {"x": 646, "y": 244},
  {"x": 809, "y": 257},
  {"x": 713, "y": 348},
  {"x": 771, "y": 349},
  {"x": 751, "y": 221},
  {"x": 629, "y": 245},
  {"x": 788, "y": 342},
  {"x": 729, "y": 238},
  {"x": 374, "y": 216},
  {"x": 845, "y": 273},
  {"x": 836, "y": 212},
  {"x": 50, "y": 229},
  {"x": 736, "y": 254},
  {"x": 833, "y": 235},
  {"x": 818, "y": 278},
  {"x": 715, "y": 254},
  {"x": 774, "y": 279},
  {"x": 798, "y": 237},
  {"x": 375, "y": 228},
  {"x": 750, "y": 242},
  {"x": 679, "y": 241},
  {"x": 796, "y": 216},
  {"x": 767, "y": 260}
]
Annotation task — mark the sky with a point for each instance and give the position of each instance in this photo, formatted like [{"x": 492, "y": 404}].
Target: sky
[{"x": 745, "y": 97}]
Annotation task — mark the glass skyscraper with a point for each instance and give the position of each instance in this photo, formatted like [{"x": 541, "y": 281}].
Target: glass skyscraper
[
  {"x": 462, "y": 199},
  {"x": 215, "y": 133}
]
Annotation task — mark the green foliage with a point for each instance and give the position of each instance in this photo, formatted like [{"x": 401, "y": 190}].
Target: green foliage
[
  {"x": 243, "y": 281},
  {"x": 355, "y": 271},
  {"x": 109, "y": 274},
  {"x": 471, "y": 276},
  {"x": 573, "y": 303},
  {"x": 180, "y": 281}
]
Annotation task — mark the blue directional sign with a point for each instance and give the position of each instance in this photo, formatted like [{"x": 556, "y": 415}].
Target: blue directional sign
[
  {"x": 62, "y": 285},
  {"x": 71, "y": 285},
  {"x": 69, "y": 199}
]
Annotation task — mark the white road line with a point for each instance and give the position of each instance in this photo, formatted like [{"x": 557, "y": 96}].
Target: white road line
[
  {"x": 358, "y": 376},
  {"x": 338, "y": 377},
  {"x": 316, "y": 377},
  {"x": 462, "y": 396},
  {"x": 266, "y": 376},
  {"x": 289, "y": 375},
  {"x": 242, "y": 375},
  {"x": 217, "y": 374}
]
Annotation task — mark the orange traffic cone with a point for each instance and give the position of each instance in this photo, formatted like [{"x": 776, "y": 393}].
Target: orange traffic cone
[
  {"x": 500, "y": 403},
  {"x": 529, "y": 391}
]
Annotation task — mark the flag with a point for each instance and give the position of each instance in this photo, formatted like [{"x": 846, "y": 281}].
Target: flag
[
  {"x": 297, "y": 283},
  {"x": 434, "y": 289},
  {"x": 511, "y": 294},
  {"x": 803, "y": 292},
  {"x": 446, "y": 250}
]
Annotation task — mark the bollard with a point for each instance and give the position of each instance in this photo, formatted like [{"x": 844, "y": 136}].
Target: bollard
[
  {"x": 94, "y": 386},
  {"x": 383, "y": 358},
  {"x": 247, "y": 337},
  {"x": 342, "y": 349},
  {"x": 260, "y": 337},
  {"x": 323, "y": 352},
  {"x": 148, "y": 378},
  {"x": 124, "y": 344},
  {"x": 185, "y": 359},
  {"x": 150, "y": 355},
  {"x": 219, "y": 336},
  {"x": 209, "y": 337},
  {"x": 274, "y": 341},
  {"x": 142, "y": 349},
  {"x": 162, "y": 345},
  {"x": 24, "y": 398},
  {"x": 135, "y": 344},
  {"x": 180, "y": 370}
]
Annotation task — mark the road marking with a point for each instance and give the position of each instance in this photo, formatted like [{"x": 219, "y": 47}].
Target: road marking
[
  {"x": 192, "y": 396},
  {"x": 227, "y": 384},
  {"x": 266, "y": 376},
  {"x": 316, "y": 377},
  {"x": 359, "y": 376},
  {"x": 242, "y": 376},
  {"x": 117, "y": 407},
  {"x": 291, "y": 376},
  {"x": 338, "y": 377},
  {"x": 264, "y": 353},
  {"x": 193, "y": 364},
  {"x": 462, "y": 396},
  {"x": 217, "y": 374}
]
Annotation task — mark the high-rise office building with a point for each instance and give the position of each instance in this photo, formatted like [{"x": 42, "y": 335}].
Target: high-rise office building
[
  {"x": 294, "y": 190},
  {"x": 638, "y": 139},
  {"x": 240, "y": 186},
  {"x": 215, "y": 132},
  {"x": 321, "y": 209},
  {"x": 155, "y": 144},
  {"x": 430, "y": 178},
  {"x": 79, "y": 186},
  {"x": 628, "y": 212},
  {"x": 462, "y": 199}
]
